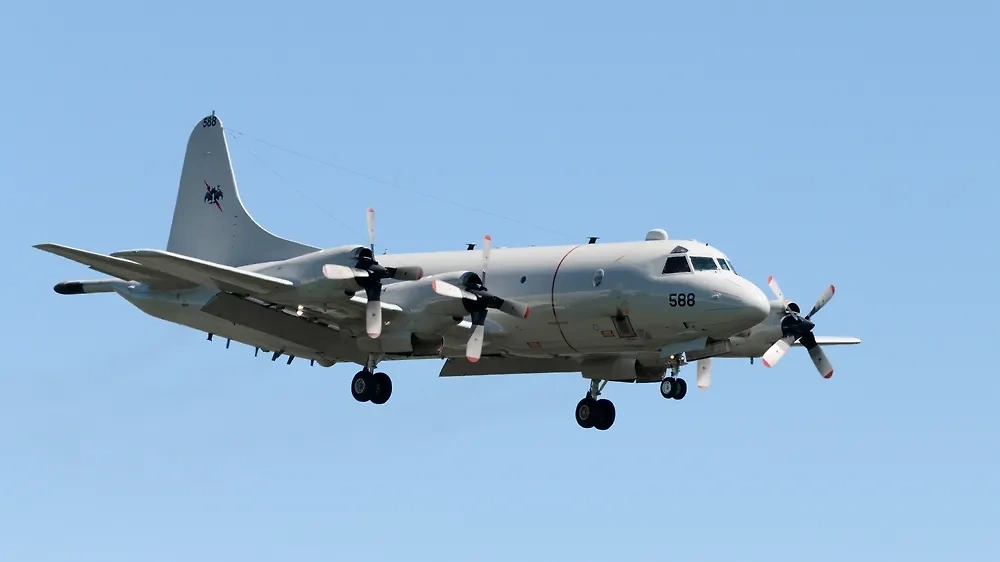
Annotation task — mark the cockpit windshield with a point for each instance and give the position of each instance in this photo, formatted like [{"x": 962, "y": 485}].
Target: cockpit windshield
[
  {"x": 680, "y": 263},
  {"x": 676, "y": 264},
  {"x": 702, "y": 263}
]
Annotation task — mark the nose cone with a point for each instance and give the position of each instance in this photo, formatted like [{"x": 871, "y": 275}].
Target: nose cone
[
  {"x": 756, "y": 303},
  {"x": 748, "y": 301}
]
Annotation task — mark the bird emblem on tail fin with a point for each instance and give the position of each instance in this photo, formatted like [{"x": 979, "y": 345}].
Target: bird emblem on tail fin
[{"x": 213, "y": 195}]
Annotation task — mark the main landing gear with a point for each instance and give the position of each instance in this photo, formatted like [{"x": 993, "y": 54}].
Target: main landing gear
[
  {"x": 673, "y": 386},
  {"x": 594, "y": 413},
  {"x": 371, "y": 386}
]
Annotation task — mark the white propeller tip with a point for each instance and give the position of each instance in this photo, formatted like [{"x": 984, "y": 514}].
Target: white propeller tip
[
  {"x": 766, "y": 364},
  {"x": 373, "y": 335},
  {"x": 472, "y": 359},
  {"x": 488, "y": 237},
  {"x": 828, "y": 375}
]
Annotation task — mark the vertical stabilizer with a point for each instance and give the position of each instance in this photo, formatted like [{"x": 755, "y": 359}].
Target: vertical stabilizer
[{"x": 210, "y": 222}]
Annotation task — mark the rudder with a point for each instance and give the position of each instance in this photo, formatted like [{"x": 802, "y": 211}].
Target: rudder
[{"x": 210, "y": 221}]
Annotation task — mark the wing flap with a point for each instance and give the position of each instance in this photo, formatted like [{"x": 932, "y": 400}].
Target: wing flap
[
  {"x": 508, "y": 366},
  {"x": 124, "y": 269},
  {"x": 204, "y": 272}
]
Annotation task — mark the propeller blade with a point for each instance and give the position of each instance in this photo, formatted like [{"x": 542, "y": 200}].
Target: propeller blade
[
  {"x": 407, "y": 273},
  {"x": 446, "y": 289},
  {"x": 776, "y": 289},
  {"x": 373, "y": 318},
  {"x": 515, "y": 309},
  {"x": 487, "y": 243},
  {"x": 371, "y": 229},
  {"x": 821, "y": 301},
  {"x": 475, "y": 345},
  {"x": 823, "y": 364},
  {"x": 777, "y": 351},
  {"x": 705, "y": 373},
  {"x": 342, "y": 273}
]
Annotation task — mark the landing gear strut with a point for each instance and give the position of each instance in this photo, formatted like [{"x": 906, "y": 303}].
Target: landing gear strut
[
  {"x": 591, "y": 412},
  {"x": 673, "y": 386},
  {"x": 371, "y": 386}
]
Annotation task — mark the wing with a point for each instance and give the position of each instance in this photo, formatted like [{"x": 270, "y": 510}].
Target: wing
[
  {"x": 834, "y": 340},
  {"x": 201, "y": 272},
  {"x": 124, "y": 269}
]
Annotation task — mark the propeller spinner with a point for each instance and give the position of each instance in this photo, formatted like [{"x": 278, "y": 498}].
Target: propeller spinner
[
  {"x": 477, "y": 300},
  {"x": 368, "y": 274},
  {"x": 795, "y": 327}
]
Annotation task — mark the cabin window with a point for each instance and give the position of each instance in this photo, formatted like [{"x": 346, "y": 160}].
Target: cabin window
[
  {"x": 701, "y": 263},
  {"x": 676, "y": 264}
]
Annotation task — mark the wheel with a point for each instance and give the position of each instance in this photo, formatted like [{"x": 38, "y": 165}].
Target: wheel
[
  {"x": 605, "y": 414},
  {"x": 667, "y": 387},
  {"x": 363, "y": 386},
  {"x": 681, "y": 389},
  {"x": 586, "y": 412},
  {"x": 382, "y": 389}
]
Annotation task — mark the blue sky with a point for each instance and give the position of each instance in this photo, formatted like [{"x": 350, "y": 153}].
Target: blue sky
[{"x": 852, "y": 143}]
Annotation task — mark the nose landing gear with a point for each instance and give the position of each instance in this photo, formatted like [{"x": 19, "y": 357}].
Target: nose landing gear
[{"x": 673, "y": 386}]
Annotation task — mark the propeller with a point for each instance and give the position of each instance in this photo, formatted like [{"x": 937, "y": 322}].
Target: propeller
[
  {"x": 477, "y": 300},
  {"x": 795, "y": 327},
  {"x": 368, "y": 274}
]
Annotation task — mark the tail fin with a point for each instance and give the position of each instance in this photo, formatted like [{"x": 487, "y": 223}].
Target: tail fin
[{"x": 210, "y": 222}]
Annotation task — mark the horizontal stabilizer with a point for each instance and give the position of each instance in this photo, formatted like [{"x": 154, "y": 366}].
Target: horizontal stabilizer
[
  {"x": 833, "y": 340},
  {"x": 206, "y": 273},
  {"x": 124, "y": 269},
  {"x": 507, "y": 366}
]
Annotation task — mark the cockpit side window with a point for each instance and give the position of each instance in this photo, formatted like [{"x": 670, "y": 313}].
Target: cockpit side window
[
  {"x": 724, "y": 264},
  {"x": 729, "y": 265},
  {"x": 676, "y": 264},
  {"x": 701, "y": 263}
]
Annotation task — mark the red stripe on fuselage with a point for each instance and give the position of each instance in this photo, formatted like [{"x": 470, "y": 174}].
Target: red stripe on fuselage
[{"x": 553, "y": 298}]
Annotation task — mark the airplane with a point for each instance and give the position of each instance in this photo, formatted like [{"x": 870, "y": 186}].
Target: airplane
[{"x": 625, "y": 311}]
